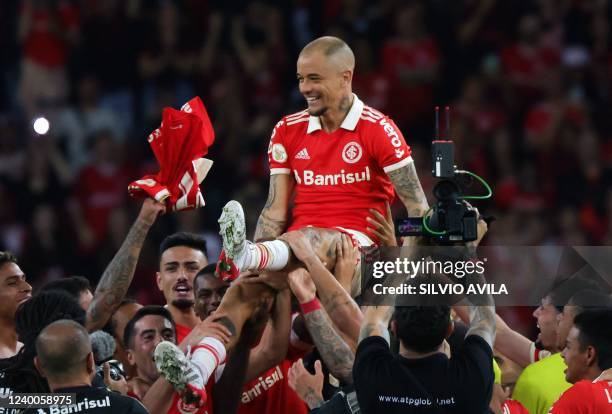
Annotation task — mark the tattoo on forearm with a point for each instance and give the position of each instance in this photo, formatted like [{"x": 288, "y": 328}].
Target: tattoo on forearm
[
  {"x": 268, "y": 228},
  {"x": 117, "y": 277},
  {"x": 227, "y": 322},
  {"x": 409, "y": 190},
  {"x": 271, "y": 192},
  {"x": 337, "y": 355},
  {"x": 313, "y": 399}
]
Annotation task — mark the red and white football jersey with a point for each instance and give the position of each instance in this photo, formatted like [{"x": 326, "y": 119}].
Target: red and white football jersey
[
  {"x": 585, "y": 397},
  {"x": 338, "y": 175}
]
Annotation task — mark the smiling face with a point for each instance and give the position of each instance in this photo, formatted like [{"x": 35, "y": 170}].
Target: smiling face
[
  {"x": 576, "y": 358},
  {"x": 178, "y": 267},
  {"x": 14, "y": 290},
  {"x": 323, "y": 81},
  {"x": 210, "y": 291},
  {"x": 546, "y": 315},
  {"x": 149, "y": 331}
]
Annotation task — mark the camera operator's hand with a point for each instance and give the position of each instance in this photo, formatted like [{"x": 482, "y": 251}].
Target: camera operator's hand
[
  {"x": 481, "y": 231},
  {"x": 309, "y": 387},
  {"x": 120, "y": 385},
  {"x": 382, "y": 227}
]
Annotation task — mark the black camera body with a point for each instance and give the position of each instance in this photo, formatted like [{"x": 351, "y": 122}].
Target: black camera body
[
  {"x": 115, "y": 371},
  {"x": 452, "y": 220}
]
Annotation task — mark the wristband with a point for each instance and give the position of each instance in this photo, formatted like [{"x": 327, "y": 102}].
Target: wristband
[{"x": 310, "y": 306}]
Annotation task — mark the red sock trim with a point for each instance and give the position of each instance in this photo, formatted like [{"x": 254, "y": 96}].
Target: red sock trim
[{"x": 209, "y": 348}]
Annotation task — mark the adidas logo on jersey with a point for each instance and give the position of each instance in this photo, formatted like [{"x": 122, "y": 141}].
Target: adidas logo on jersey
[{"x": 302, "y": 155}]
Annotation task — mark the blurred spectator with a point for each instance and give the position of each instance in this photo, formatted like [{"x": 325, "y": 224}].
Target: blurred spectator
[
  {"x": 528, "y": 62},
  {"x": 99, "y": 188},
  {"x": 78, "y": 124},
  {"x": 47, "y": 30},
  {"x": 411, "y": 60}
]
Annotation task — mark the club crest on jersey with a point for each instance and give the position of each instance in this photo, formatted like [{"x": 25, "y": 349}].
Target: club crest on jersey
[
  {"x": 352, "y": 152},
  {"x": 278, "y": 153}
]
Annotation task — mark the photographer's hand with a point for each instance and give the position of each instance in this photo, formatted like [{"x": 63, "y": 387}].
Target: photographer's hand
[{"x": 120, "y": 385}]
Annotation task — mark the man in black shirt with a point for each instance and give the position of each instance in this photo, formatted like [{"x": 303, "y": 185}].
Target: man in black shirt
[
  {"x": 14, "y": 290},
  {"x": 422, "y": 379},
  {"x": 65, "y": 358}
]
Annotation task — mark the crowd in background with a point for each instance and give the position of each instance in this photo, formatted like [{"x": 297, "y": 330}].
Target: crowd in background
[{"x": 529, "y": 84}]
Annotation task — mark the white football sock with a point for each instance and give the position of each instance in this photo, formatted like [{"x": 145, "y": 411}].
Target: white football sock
[{"x": 207, "y": 356}]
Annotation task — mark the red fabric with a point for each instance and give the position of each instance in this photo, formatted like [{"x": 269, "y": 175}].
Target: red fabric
[
  {"x": 270, "y": 393},
  {"x": 374, "y": 88},
  {"x": 408, "y": 101},
  {"x": 311, "y": 306},
  {"x": 525, "y": 67},
  {"x": 44, "y": 44},
  {"x": 181, "y": 332},
  {"x": 331, "y": 191},
  {"x": 514, "y": 407},
  {"x": 99, "y": 189},
  {"x": 179, "y": 407},
  {"x": 179, "y": 145},
  {"x": 585, "y": 397}
]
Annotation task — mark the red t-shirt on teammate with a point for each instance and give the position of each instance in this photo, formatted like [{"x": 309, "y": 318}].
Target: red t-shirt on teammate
[
  {"x": 339, "y": 175},
  {"x": 585, "y": 397},
  {"x": 270, "y": 393}
]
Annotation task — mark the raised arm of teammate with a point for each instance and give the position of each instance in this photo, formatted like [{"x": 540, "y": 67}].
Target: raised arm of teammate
[{"x": 117, "y": 277}]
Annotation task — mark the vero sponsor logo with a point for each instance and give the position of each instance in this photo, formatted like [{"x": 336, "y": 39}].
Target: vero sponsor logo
[{"x": 393, "y": 137}]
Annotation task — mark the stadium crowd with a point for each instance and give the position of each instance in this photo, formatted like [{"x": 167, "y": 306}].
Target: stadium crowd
[{"x": 529, "y": 85}]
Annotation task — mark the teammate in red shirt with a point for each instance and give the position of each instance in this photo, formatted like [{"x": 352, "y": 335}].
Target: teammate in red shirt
[
  {"x": 588, "y": 353},
  {"x": 268, "y": 389}
]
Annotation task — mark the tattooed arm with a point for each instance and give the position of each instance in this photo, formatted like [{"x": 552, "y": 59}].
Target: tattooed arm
[
  {"x": 118, "y": 275},
  {"x": 376, "y": 322},
  {"x": 273, "y": 218},
  {"x": 337, "y": 302},
  {"x": 481, "y": 307},
  {"x": 336, "y": 354},
  {"x": 408, "y": 188}
]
